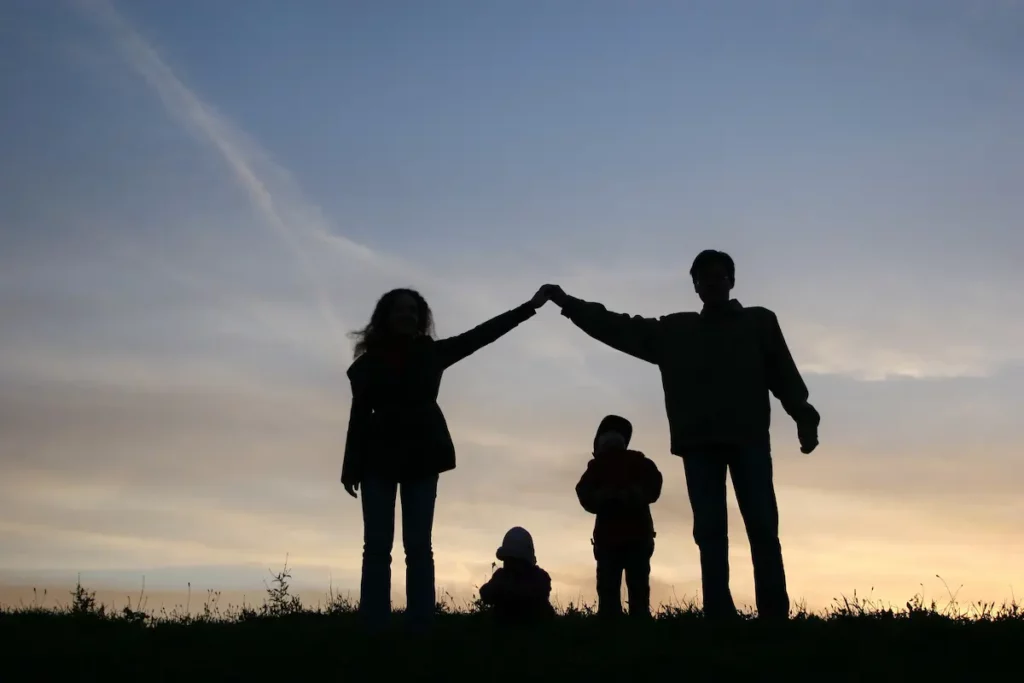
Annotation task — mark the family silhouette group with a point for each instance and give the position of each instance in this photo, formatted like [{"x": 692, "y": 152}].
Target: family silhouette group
[{"x": 718, "y": 367}]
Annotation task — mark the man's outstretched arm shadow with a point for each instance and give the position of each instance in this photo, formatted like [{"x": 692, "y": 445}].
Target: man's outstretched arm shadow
[{"x": 631, "y": 334}]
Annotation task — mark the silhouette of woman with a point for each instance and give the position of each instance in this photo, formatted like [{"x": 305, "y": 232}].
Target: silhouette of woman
[{"x": 398, "y": 440}]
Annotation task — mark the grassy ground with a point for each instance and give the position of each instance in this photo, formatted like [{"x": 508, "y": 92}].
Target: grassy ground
[{"x": 854, "y": 641}]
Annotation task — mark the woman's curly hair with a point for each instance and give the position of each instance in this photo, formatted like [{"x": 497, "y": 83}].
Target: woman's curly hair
[{"x": 376, "y": 330}]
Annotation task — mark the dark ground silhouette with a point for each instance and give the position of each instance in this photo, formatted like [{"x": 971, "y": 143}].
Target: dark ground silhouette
[{"x": 283, "y": 640}]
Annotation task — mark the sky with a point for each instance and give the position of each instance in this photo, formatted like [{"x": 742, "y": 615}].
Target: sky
[{"x": 199, "y": 200}]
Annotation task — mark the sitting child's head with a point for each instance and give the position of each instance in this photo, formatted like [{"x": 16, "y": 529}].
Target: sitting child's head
[
  {"x": 517, "y": 548},
  {"x": 613, "y": 433}
]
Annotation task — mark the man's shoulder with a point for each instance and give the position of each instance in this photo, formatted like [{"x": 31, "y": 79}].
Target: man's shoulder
[
  {"x": 760, "y": 315},
  {"x": 758, "y": 311},
  {"x": 680, "y": 318},
  {"x": 681, "y": 315}
]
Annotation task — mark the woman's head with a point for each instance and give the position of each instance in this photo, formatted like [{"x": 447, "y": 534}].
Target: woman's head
[{"x": 399, "y": 313}]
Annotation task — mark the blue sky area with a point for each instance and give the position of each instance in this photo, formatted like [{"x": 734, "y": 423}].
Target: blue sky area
[{"x": 198, "y": 200}]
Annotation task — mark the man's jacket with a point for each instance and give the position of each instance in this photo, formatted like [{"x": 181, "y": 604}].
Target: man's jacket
[{"x": 717, "y": 370}]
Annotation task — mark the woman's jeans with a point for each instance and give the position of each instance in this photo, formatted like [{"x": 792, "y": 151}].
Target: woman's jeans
[{"x": 378, "y": 499}]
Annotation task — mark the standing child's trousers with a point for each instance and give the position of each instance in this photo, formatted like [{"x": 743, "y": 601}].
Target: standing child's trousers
[{"x": 632, "y": 558}]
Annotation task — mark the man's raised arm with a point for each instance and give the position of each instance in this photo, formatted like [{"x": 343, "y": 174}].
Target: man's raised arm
[{"x": 632, "y": 334}]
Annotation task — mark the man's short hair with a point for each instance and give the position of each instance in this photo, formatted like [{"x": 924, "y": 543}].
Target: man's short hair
[{"x": 710, "y": 257}]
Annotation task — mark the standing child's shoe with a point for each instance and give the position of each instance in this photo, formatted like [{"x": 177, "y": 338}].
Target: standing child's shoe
[
  {"x": 519, "y": 591},
  {"x": 619, "y": 487}
]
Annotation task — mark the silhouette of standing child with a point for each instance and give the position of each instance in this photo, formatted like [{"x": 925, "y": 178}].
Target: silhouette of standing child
[
  {"x": 519, "y": 591},
  {"x": 619, "y": 487}
]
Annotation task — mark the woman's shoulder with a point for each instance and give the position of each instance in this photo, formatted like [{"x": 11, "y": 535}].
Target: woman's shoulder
[
  {"x": 374, "y": 359},
  {"x": 360, "y": 366}
]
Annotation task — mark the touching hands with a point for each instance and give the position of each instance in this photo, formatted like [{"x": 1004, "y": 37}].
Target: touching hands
[
  {"x": 554, "y": 293},
  {"x": 547, "y": 293},
  {"x": 540, "y": 298}
]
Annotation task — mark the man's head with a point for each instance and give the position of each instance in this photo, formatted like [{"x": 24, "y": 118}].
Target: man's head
[
  {"x": 613, "y": 433},
  {"x": 714, "y": 275}
]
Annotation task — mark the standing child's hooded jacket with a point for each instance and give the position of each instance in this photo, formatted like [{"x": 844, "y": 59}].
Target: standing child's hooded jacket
[{"x": 619, "y": 522}]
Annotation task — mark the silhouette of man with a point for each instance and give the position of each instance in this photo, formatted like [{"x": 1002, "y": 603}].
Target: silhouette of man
[{"x": 717, "y": 368}]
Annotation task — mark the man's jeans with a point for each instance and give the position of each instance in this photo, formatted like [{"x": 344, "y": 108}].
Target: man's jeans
[
  {"x": 378, "y": 498},
  {"x": 751, "y": 470}
]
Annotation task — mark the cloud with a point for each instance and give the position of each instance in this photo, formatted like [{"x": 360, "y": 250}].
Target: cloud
[
  {"x": 300, "y": 223},
  {"x": 196, "y": 434},
  {"x": 204, "y": 486},
  {"x": 269, "y": 187}
]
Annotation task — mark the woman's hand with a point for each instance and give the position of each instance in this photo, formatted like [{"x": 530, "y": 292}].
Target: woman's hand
[
  {"x": 541, "y": 297},
  {"x": 351, "y": 489}
]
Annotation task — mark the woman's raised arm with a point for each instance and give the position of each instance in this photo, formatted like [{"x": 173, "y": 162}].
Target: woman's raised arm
[{"x": 453, "y": 349}]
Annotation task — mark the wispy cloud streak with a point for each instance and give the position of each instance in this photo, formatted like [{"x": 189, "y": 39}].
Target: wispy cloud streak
[
  {"x": 238, "y": 153},
  {"x": 269, "y": 187}
]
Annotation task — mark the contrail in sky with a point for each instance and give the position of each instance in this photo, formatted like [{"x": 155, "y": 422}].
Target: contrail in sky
[
  {"x": 231, "y": 145},
  {"x": 272, "y": 192}
]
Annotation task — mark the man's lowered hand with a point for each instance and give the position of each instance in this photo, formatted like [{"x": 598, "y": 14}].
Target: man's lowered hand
[{"x": 808, "y": 440}]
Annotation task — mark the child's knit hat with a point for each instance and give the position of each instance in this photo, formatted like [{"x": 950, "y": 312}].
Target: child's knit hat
[
  {"x": 614, "y": 423},
  {"x": 517, "y": 545}
]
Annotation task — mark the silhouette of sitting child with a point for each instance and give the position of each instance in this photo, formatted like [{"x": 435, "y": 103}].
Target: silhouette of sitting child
[
  {"x": 619, "y": 487},
  {"x": 519, "y": 591}
]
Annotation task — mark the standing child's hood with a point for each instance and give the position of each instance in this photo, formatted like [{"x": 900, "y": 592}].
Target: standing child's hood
[{"x": 614, "y": 423}]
